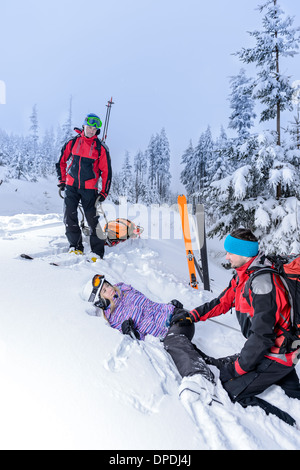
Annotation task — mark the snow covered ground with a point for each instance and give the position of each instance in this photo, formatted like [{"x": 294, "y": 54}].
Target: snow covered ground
[{"x": 69, "y": 381}]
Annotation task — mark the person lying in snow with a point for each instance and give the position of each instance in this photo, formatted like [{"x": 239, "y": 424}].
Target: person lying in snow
[{"x": 132, "y": 313}]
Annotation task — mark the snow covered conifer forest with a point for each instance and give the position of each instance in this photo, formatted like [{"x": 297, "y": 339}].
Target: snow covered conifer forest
[
  {"x": 250, "y": 178},
  {"x": 253, "y": 179}
]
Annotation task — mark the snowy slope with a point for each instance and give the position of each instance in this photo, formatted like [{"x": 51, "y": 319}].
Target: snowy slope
[{"x": 69, "y": 381}]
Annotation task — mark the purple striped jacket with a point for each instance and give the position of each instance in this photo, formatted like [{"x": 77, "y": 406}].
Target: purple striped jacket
[{"x": 150, "y": 318}]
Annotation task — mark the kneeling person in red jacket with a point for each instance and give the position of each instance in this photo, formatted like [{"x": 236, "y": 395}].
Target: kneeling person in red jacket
[
  {"x": 263, "y": 312},
  {"x": 83, "y": 161}
]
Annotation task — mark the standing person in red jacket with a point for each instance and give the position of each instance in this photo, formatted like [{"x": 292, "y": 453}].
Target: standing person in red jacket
[
  {"x": 263, "y": 312},
  {"x": 83, "y": 160}
]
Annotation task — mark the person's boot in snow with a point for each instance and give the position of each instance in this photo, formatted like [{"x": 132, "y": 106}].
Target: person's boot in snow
[{"x": 196, "y": 387}]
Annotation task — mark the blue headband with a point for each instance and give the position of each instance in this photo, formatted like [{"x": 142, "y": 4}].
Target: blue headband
[{"x": 240, "y": 247}]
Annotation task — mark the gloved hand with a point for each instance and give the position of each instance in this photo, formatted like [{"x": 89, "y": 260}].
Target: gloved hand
[
  {"x": 102, "y": 303},
  {"x": 228, "y": 372},
  {"x": 176, "y": 303},
  {"x": 61, "y": 186},
  {"x": 100, "y": 197},
  {"x": 182, "y": 317},
  {"x": 222, "y": 361},
  {"x": 128, "y": 328}
]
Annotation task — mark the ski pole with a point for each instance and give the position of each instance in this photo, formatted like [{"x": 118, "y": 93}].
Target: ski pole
[
  {"x": 225, "y": 326},
  {"x": 102, "y": 234},
  {"x": 109, "y": 105}
]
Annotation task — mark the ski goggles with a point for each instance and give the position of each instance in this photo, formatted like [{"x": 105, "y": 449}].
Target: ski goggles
[
  {"x": 98, "y": 281},
  {"x": 93, "y": 121}
]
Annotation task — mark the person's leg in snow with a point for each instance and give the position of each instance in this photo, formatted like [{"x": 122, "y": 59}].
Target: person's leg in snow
[
  {"x": 198, "y": 379},
  {"x": 192, "y": 364},
  {"x": 244, "y": 389}
]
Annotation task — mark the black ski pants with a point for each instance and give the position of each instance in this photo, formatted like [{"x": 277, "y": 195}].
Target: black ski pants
[
  {"x": 244, "y": 389},
  {"x": 87, "y": 197},
  {"x": 188, "y": 361}
]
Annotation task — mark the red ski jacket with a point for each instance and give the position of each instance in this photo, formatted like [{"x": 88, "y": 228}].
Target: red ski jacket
[
  {"x": 82, "y": 161},
  {"x": 263, "y": 312}
]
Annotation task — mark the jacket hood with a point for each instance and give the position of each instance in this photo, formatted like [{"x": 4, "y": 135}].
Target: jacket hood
[
  {"x": 260, "y": 261},
  {"x": 253, "y": 264}
]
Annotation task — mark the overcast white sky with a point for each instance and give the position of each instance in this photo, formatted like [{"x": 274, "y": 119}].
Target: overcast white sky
[{"x": 166, "y": 63}]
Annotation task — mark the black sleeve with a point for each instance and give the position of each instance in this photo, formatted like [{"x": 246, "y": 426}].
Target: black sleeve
[
  {"x": 105, "y": 168},
  {"x": 262, "y": 335}
]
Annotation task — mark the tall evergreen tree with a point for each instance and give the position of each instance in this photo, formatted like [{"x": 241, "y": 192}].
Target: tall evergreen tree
[
  {"x": 242, "y": 105},
  {"x": 116, "y": 189},
  {"x": 158, "y": 158},
  {"x": 140, "y": 173},
  {"x": 152, "y": 162},
  {"x": 34, "y": 131},
  {"x": 272, "y": 88},
  {"x": 295, "y": 124},
  {"x": 67, "y": 128},
  {"x": 277, "y": 40},
  {"x": 127, "y": 178},
  {"x": 222, "y": 152},
  {"x": 163, "y": 166},
  {"x": 203, "y": 156},
  {"x": 188, "y": 177},
  {"x": 4, "y": 143},
  {"x": 48, "y": 153},
  {"x": 295, "y": 131}
]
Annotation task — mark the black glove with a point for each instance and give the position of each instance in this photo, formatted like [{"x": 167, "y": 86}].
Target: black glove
[
  {"x": 62, "y": 186},
  {"x": 222, "y": 361},
  {"x": 102, "y": 303},
  {"x": 228, "y": 372},
  {"x": 182, "y": 317},
  {"x": 100, "y": 198},
  {"x": 176, "y": 303},
  {"x": 128, "y": 328}
]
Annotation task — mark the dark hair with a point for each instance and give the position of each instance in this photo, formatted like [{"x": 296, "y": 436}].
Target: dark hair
[{"x": 244, "y": 234}]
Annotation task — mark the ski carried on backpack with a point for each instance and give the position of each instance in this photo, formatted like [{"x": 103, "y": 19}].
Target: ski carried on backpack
[
  {"x": 183, "y": 211},
  {"x": 109, "y": 105}
]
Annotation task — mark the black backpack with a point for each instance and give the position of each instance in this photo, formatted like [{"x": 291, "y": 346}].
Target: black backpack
[{"x": 288, "y": 268}]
